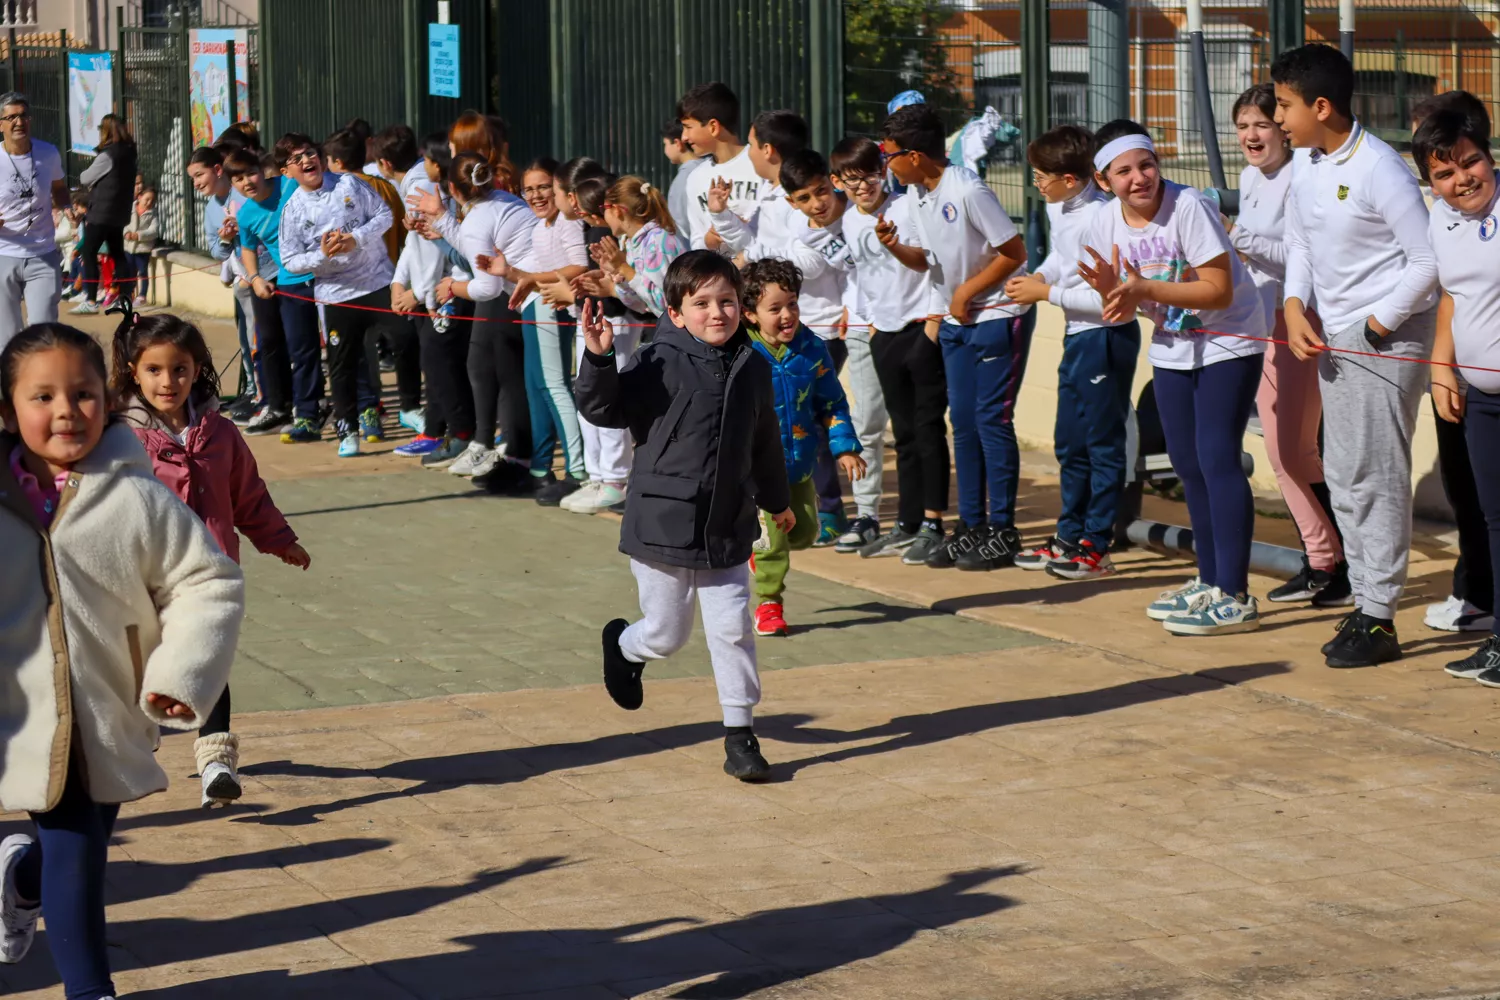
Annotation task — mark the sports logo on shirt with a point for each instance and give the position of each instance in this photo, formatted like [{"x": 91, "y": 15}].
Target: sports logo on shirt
[
  {"x": 1343, "y": 191},
  {"x": 1487, "y": 228},
  {"x": 950, "y": 211}
]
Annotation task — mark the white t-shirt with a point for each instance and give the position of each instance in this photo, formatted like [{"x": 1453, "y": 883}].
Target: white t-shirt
[
  {"x": 677, "y": 197},
  {"x": 962, "y": 224},
  {"x": 744, "y": 192},
  {"x": 1067, "y": 222},
  {"x": 1185, "y": 234},
  {"x": 823, "y": 257},
  {"x": 1468, "y": 260},
  {"x": 26, "y": 228},
  {"x": 887, "y": 292},
  {"x": 1260, "y": 230}
]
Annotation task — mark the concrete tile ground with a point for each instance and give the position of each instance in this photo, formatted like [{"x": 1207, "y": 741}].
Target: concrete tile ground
[{"x": 995, "y": 785}]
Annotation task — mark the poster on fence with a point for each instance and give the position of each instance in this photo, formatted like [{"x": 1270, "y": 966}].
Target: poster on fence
[
  {"x": 90, "y": 97},
  {"x": 208, "y": 87}
]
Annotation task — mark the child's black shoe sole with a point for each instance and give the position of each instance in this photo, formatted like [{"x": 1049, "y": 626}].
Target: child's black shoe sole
[{"x": 622, "y": 679}]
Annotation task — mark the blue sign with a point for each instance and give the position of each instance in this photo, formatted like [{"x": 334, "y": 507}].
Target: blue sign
[{"x": 442, "y": 60}]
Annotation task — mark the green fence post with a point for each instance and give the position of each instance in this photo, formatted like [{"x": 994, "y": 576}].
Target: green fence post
[
  {"x": 230, "y": 56},
  {"x": 1036, "y": 79},
  {"x": 1288, "y": 28},
  {"x": 410, "y": 26}
]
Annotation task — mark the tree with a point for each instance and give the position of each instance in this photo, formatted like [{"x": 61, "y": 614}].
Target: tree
[{"x": 891, "y": 46}]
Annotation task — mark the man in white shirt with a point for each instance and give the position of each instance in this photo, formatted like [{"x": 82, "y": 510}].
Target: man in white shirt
[
  {"x": 972, "y": 248},
  {"x": 710, "y": 117},
  {"x": 1358, "y": 249},
  {"x": 1452, "y": 150},
  {"x": 31, "y": 184}
]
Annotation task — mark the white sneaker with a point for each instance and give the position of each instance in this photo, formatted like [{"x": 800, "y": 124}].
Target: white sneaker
[
  {"x": 18, "y": 922},
  {"x": 473, "y": 461},
  {"x": 1176, "y": 601},
  {"x": 1455, "y": 615},
  {"x": 583, "y": 495},
  {"x": 605, "y": 498},
  {"x": 221, "y": 785},
  {"x": 1213, "y": 612}
]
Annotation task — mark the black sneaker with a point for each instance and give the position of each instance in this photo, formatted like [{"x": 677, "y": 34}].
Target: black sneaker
[
  {"x": 742, "y": 757},
  {"x": 511, "y": 479},
  {"x": 622, "y": 679},
  {"x": 1490, "y": 678},
  {"x": 1346, "y": 623},
  {"x": 619, "y": 508},
  {"x": 268, "y": 421},
  {"x": 1303, "y": 587},
  {"x": 242, "y": 410},
  {"x": 1337, "y": 593},
  {"x": 893, "y": 543},
  {"x": 1368, "y": 645},
  {"x": 996, "y": 548},
  {"x": 961, "y": 540},
  {"x": 1483, "y": 660},
  {"x": 929, "y": 539},
  {"x": 553, "y": 493}
]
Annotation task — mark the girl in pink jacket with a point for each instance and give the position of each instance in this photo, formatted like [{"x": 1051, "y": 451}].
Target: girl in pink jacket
[{"x": 165, "y": 379}]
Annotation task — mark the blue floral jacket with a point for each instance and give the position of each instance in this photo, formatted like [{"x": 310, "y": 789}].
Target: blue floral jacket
[{"x": 807, "y": 393}]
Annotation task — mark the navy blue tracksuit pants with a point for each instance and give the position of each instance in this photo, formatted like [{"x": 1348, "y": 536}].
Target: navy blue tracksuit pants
[
  {"x": 1482, "y": 428},
  {"x": 1093, "y": 405},
  {"x": 985, "y": 363}
]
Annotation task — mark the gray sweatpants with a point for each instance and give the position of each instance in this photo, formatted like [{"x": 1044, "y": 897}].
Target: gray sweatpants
[
  {"x": 867, "y": 414},
  {"x": 723, "y": 595},
  {"x": 1370, "y": 410},
  {"x": 35, "y": 280}
]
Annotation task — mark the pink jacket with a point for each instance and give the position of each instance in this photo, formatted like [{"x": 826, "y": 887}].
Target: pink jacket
[{"x": 214, "y": 473}]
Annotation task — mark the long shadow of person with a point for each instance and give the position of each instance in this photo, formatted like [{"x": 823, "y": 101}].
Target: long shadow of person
[{"x": 733, "y": 959}]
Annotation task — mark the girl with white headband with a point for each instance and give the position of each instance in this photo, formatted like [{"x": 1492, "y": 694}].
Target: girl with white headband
[{"x": 1162, "y": 250}]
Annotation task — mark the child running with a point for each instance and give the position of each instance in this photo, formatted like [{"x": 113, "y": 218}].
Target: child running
[
  {"x": 1098, "y": 365},
  {"x": 99, "y": 551},
  {"x": 1170, "y": 258},
  {"x": 165, "y": 379},
  {"x": 808, "y": 395},
  {"x": 699, "y": 402}
]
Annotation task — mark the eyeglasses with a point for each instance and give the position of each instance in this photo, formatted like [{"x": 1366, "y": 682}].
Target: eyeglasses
[
  {"x": 888, "y": 157},
  {"x": 303, "y": 154},
  {"x": 1041, "y": 180},
  {"x": 24, "y": 116},
  {"x": 542, "y": 189},
  {"x": 861, "y": 180}
]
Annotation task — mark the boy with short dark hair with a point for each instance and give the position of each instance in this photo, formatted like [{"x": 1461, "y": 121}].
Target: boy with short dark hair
[
  {"x": 1377, "y": 292},
  {"x": 681, "y": 156},
  {"x": 808, "y": 396},
  {"x": 710, "y": 117},
  {"x": 972, "y": 247},
  {"x": 1098, "y": 364},
  {"x": 698, "y": 402},
  {"x": 774, "y": 135}
]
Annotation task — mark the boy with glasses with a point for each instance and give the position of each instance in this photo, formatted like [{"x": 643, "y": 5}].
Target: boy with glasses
[{"x": 31, "y": 185}]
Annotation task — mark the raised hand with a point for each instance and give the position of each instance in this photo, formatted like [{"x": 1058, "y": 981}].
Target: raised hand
[
  {"x": 1104, "y": 275},
  {"x": 608, "y": 255},
  {"x": 885, "y": 231},
  {"x": 598, "y": 332},
  {"x": 424, "y": 202},
  {"x": 495, "y": 264},
  {"x": 1122, "y": 302},
  {"x": 595, "y": 283},
  {"x": 718, "y": 195}
]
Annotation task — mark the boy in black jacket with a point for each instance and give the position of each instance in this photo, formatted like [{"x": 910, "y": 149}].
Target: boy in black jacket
[{"x": 698, "y": 401}]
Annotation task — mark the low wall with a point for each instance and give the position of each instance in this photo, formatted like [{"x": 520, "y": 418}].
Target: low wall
[{"x": 189, "y": 283}]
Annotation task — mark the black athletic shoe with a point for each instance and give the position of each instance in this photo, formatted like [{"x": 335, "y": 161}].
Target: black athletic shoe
[
  {"x": 1340, "y": 631},
  {"x": 742, "y": 757},
  {"x": 995, "y": 548},
  {"x": 268, "y": 421},
  {"x": 512, "y": 479},
  {"x": 1483, "y": 660},
  {"x": 1302, "y": 587},
  {"x": 242, "y": 410},
  {"x": 1369, "y": 645},
  {"x": 1337, "y": 593},
  {"x": 961, "y": 540},
  {"x": 622, "y": 679},
  {"x": 553, "y": 493}
]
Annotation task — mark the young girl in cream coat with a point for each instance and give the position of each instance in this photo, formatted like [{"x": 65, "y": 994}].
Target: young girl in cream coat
[{"x": 121, "y": 615}]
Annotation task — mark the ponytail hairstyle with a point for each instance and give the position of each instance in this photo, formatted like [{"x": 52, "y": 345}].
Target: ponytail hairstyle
[
  {"x": 470, "y": 176},
  {"x": 41, "y": 337},
  {"x": 136, "y": 333},
  {"x": 640, "y": 200}
]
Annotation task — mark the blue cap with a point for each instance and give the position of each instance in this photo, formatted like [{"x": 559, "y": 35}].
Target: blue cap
[{"x": 904, "y": 98}]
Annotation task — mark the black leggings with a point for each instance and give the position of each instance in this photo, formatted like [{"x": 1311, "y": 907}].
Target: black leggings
[
  {"x": 498, "y": 376},
  {"x": 445, "y": 359},
  {"x": 400, "y": 334},
  {"x": 94, "y": 238},
  {"x": 218, "y": 718}
]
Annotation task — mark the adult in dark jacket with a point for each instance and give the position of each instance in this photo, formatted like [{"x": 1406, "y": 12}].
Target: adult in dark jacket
[
  {"x": 698, "y": 401},
  {"x": 111, "y": 183}
]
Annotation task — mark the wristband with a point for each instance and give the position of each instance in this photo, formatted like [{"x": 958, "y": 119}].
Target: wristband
[{"x": 1371, "y": 337}]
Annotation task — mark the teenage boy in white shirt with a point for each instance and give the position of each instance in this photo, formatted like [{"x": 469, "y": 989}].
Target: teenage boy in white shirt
[
  {"x": 774, "y": 135},
  {"x": 1452, "y": 150},
  {"x": 1373, "y": 279},
  {"x": 972, "y": 248},
  {"x": 710, "y": 117}
]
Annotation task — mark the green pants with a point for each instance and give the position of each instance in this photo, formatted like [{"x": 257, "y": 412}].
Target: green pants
[{"x": 772, "y": 562}]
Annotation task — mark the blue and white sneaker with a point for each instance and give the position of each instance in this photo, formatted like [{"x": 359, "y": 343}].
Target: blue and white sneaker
[
  {"x": 1176, "y": 601},
  {"x": 413, "y": 420},
  {"x": 17, "y": 922},
  {"x": 418, "y": 446},
  {"x": 830, "y": 527},
  {"x": 1213, "y": 612},
  {"x": 349, "y": 446}
]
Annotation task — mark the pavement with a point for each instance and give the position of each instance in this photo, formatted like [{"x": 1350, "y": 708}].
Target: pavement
[{"x": 985, "y": 785}]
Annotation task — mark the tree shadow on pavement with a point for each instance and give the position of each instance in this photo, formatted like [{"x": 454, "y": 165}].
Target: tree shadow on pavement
[{"x": 732, "y": 960}]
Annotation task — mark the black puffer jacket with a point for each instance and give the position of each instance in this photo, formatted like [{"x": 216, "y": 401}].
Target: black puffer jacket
[
  {"x": 113, "y": 195},
  {"x": 708, "y": 447}
]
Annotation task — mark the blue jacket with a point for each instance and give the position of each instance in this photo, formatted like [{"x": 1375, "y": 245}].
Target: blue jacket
[{"x": 808, "y": 393}]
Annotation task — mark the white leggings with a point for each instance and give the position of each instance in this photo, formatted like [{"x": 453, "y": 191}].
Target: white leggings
[
  {"x": 608, "y": 451},
  {"x": 666, "y": 595}
]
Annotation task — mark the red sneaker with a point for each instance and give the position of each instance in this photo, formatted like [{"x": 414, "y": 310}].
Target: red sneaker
[
  {"x": 1083, "y": 563},
  {"x": 769, "y": 619}
]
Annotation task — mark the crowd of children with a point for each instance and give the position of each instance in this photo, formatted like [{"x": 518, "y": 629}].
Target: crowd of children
[{"x": 683, "y": 350}]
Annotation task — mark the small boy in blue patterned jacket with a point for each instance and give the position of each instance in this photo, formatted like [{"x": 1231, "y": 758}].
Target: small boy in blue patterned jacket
[{"x": 807, "y": 393}]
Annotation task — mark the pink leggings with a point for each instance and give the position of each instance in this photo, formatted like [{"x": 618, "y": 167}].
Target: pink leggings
[{"x": 1291, "y": 408}]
